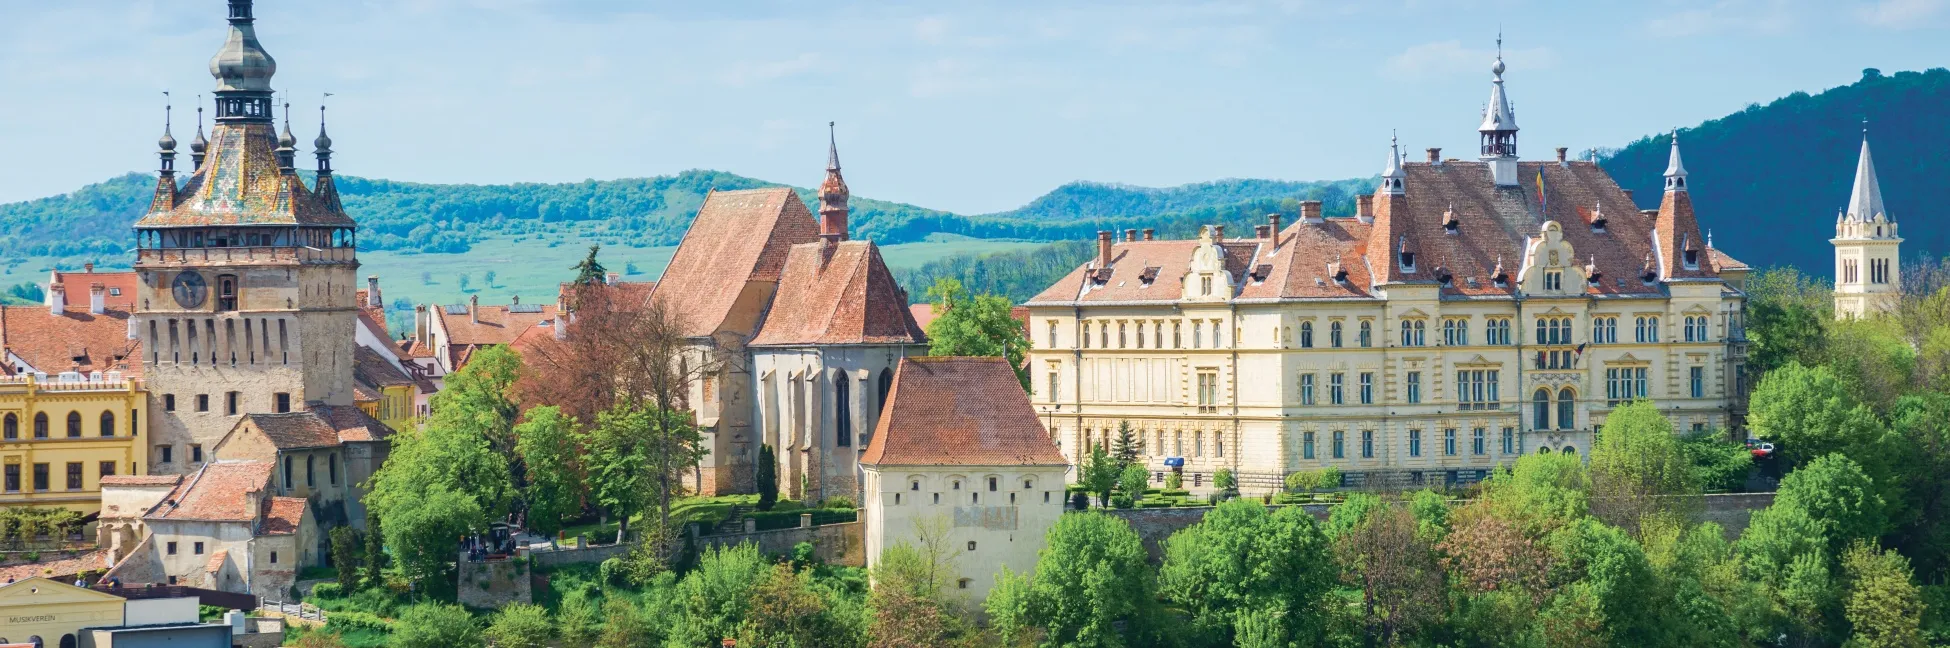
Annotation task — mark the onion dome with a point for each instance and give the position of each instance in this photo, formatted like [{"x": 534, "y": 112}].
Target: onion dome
[
  {"x": 168, "y": 142},
  {"x": 242, "y": 64},
  {"x": 199, "y": 145}
]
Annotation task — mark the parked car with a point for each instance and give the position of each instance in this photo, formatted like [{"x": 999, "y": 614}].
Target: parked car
[{"x": 1760, "y": 449}]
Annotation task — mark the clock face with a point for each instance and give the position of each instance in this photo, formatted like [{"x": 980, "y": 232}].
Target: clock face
[{"x": 189, "y": 289}]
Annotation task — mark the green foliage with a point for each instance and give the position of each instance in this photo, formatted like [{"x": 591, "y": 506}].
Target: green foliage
[
  {"x": 714, "y": 599},
  {"x": 344, "y": 620},
  {"x": 1836, "y": 491},
  {"x": 578, "y": 619},
  {"x": 1174, "y": 481},
  {"x": 346, "y": 545},
  {"x": 423, "y": 532},
  {"x": 1540, "y": 493},
  {"x": 520, "y": 625},
  {"x": 1100, "y": 474},
  {"x": 1133, "y": 480},
  {"x": 589, "y": 271},
  {"x": 967, "y": 324},
  {"x": 1812, "y": 412},
  {"x": 1313, "y": 480},
  {"x": 1091, "y": 586},
  {"x": 25, "y": 527},
  {"x": 1787, "y": 313},
  {"x": 767, "y": 477},
  {"x": 1637, "y": 468},
  {"x": 1884, "y": 608},
  {"x": 435, "y": 625},
  {"x": 545, "y": 440},
  {"x": 620, "y": 454},
  {"x": 375, "y": 548},
  {"x": 1921, "y": 527},
  {"x": 1240, "y": 565},
  {"x": 1718, "y": 465},
  {"x": 1125, "y": 446},
  {"x": 1227, "y": 484}
]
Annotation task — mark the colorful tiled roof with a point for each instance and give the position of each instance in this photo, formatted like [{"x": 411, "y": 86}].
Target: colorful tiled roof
[
  {"x": 1342, "y": 258},
  {"x": 838, "y": 293},
  {"x": 217, "y": 492},
  {"x": 240, "y": 184},
  {"x": 73, "y": 340},
  {"x": 282, "y": 515},
  {"x": 959, "y": 411},
  {"x": 738, "y": 237}
]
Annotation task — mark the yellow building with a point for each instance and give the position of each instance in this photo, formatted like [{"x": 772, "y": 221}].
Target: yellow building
[
  {"x": 383, "y": 391},
  {"x": 41, "y": 612},
  {"x": 71, "y": 404}
]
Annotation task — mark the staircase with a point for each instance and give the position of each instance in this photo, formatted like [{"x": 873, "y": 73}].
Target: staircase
[{"x": 734, "y": 522}]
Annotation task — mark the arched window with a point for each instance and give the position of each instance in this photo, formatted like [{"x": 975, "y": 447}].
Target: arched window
[
  {"x": 40, "y": 425},
  {"x": 1570, "y": 450},
  {"x": 1334, "y": 334},
  {"x": 12, "y": 426},
  {"x": 886, "y": 386},
  {"x": 287, "y": 473},
  {"x": 1367, "y": 334},
  {"x": 74, "y": 424},
  {"x": 108, "y": 424},
  {"x": 1306, "y": 335},
  {"x": 842, "y": 410},
  {"x": 1540, "y": 406},
  {"x": 67, "y": 641},
  {"x": 311, "y": 464},
  {"x": 1567, "y": 415}
]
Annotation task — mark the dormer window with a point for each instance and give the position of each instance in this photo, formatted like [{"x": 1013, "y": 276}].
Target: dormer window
[
  {"x": 1444, "y": 277},
  {"x": 1149, "y": 275},
  {"x": 1408, "y": 261},
  {"x": 1554, "y": 280},
  {"x": 1205, "y": 285},
  {"x": 1649, "y": 276},
  {"x": 1692, "y": 259},
  {"x": 1450, "y": 224},
  {"x": 1593, "y": 277},
  {"x": 1501, "y": 280}
]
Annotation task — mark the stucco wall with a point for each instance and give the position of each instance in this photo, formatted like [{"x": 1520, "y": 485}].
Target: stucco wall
[{"x": 799, "y": 418}]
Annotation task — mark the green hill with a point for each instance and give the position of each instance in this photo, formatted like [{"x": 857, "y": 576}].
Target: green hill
[{"x": 1769, "y": 180}]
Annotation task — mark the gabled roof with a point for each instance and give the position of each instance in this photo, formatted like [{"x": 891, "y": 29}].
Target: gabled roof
[
  {"x": 1723, "y": 262},
  {"x": 738, "y": 237},
  {"x": 281, "y": 515},
  {"x": 240, "y": 184},
  {"x": 374, "y": 319},
  {"x": 217, "y": 492},
  {"x": 490, "y": 324},
  {"x": 322, "y": 426},
  {"x": 59, "y": 568},
  {"x": 1165, "y": 262},
  {"x": 371, "y": 368},
  {"x": 838, "y": 293},
  {"x": 75, "y": 339},
  {"x": 959, "y": 411},
  {"x": 118, "y": 288}
]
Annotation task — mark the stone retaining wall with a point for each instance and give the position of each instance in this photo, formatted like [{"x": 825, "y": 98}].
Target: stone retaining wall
[
  {"x": 842, "y": 543},
  {"x": 495, "y": 583}
]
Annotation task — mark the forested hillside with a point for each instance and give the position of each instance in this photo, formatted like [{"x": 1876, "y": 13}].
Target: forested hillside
[{"x": 1769, "y": 180}]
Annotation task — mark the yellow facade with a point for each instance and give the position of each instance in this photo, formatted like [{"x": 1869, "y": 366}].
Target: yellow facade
[
  {"x": 394, "y": 407},
  {"x": 58, "y": 438},
  {"x": 43, "y": 612}
]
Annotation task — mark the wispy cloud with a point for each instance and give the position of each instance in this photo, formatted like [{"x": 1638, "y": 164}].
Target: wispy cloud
[
  {"x": 1902, "y": 14},
  {"x": 1765, "y": 17},
  {"x": 1450, "y": 57},
  {"x": 747, "y": 73}
]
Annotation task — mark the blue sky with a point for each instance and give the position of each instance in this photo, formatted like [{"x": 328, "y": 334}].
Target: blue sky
[{"x": 969, "y": 106}]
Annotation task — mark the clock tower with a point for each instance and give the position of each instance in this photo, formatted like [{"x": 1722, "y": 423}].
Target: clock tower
[{"x": 245, "y": 303}]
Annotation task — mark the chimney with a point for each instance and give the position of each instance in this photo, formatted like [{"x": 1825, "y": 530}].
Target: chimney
[
  {"x": 1218, "y": 232},
  {"x": 1130, "y": 235},
  {"x": 372, "y": 291},
  {"x": 1150, "y": 233},
  {"x": 1628, "y": 195},
  {"x": 1435, "y": 155},
  {"x": 1310, "y": 212},
  {"x": 1560, "y": 154},
  {"x": 1273, "y": 221},
  {"x": 474, "y": 309},
  {"x": 1263, "y": 231},
  {"x": 517, "y": 300},
  {"x": 97, "y": 298},
  {"x": 420, "y": 324},
  {"x": 613, "y": 278},
  {"x": 57, "y": 298},
  {"x": 1364, "y": 207},
  {"x": 560, "y": 326},
  {"x": 88, "y": 267},
  {"x": 1103, "y": 248}
]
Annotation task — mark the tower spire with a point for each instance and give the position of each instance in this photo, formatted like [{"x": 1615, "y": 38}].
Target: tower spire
[
  {"x": 1675, "y": 170},
  {"x": 199, "y": 145},
  {"x": 832, "y": 193},
  {"x": 323, "y": 144},
  {"x": 1865, "y": 200},
  {"x": 243, "y": 70},
  {"x": 287, "y": 145},
  {"x": 1498, "y": 132},
  {"x": 166, "y": 146},
  {"x": 1392, "y": 175}
]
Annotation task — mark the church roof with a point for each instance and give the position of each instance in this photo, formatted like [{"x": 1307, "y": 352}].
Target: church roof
[
  {"x": 738, "y": 237},
  {"x": 946, "y": 411},
  {"x": 1865, "y": 198},
  {"x": 841, "y": 295}
]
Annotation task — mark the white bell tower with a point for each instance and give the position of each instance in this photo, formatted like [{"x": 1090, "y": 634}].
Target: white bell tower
[{"x": 1867, "y": 277}]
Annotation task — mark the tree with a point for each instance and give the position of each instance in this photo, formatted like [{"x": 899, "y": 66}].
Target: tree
[
  {"x": 424, "y": 532},
  {"x": 1125, "y": 447},
  {"x": 426, "y": 278},
  {"x": 976, "y": 325},
  {"x": 520, "y": 625},
  {"x": 489, "y": 277},
  {"x": 435, "y": 625},
  {"x": 589, "y": 271},
  {"x": 375, "y": 549},
  {"x": 464, "y": 282},
  {"x": 1133, "y": 481},
  {"x": 1485, "y": 553},
  {"x": 545, "y": 441},
  {"x": 1838, "y": 495},
  {"x": 1786, "y": 312},
  {"x": 631, "y": 466},
  {"x": 1884, "y": 608},
  {"x": 1540, "y": 493},
  {"x": 767, "y": 478},
  {"x": 713, "y": 600},
  {"x": 1637, "y": 468},
  {"x": 1100, "y": 474},
  {"x": 623, "y": 625},
  {"x": 1240, "y": 562},
  {"x": 1091, "y": 586},
  {"x": 578, "y": 618},
  {"x": 787, "y": 611},
  {"x": 906, "y": 605},
  {"x": 1395, "y": 570},
  {"x": 1812, "y": 412},
  {"x": 1920, "y": 528},
  {"x": 1227, "y": 484},
  {"x": 345, "y": 557}
]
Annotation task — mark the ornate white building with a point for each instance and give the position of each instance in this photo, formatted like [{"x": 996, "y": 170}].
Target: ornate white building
[
  {"x": 1867, "y": 275},
  {"x": 1472, "y": 311}
]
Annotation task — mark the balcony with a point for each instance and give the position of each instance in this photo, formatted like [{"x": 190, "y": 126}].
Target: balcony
[{"x": 218, "y": 256}]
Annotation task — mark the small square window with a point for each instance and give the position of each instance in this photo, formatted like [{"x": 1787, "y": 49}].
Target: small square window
[
  {"x": 963, "y": 583},
  {"x": 196, "y": 453},
  {"x": 197, "y": 548},
  {"x": 971, "y": 545},
  {"x": 274, "y": 557},
  {"x": 169, "y": 402},
  {"x": 203, "y": 402},
  {"x": 170, "y": 548}
]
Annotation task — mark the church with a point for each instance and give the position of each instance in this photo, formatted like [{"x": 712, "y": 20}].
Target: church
[{"x": 1471, "y": 311}]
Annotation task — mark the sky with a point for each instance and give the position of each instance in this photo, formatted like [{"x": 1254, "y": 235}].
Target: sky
[{"x": 975, "y": 106}]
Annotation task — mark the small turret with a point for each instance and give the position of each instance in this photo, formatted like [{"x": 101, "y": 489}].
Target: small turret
[
  {"x": 287, "y": 146},
  {"x": 832, "y": 193},
  {"x": 198, "y": 146},
  {"x": 1675, "y": 170}
]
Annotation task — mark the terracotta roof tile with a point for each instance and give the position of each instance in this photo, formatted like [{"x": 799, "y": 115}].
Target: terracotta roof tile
[
  {"x": 737, "y": 237},
  {"x": 282, "y": 515},
  {"x": 141, "y": 480},
  {"x": 322, "y": 426},
  {"x": 239, "y": 184},
  {"x": 1723, "y": 262},
  {"x": 1165, "y": 261},
  {"x": 923, "y": 314},
  {"x": 217, "y": 492},
  {"x": 217, "y": 558},
  {"x": 959, "y": 411},
  {"x": 533, "y": 336},
  {"x": 118, "y": 288},
  {"x": 842, "y": 294},
  {"x": 373, "y": 369},
  {"x": 55, "y": 344},
  {"x": 490, "y": 324}
]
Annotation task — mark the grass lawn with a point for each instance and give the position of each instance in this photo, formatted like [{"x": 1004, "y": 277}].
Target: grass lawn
[{"x": 710, "y": 510}]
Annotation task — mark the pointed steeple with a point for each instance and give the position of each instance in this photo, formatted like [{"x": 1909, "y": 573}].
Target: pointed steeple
[
  {"x": 166, "y": 147},
  {"x": 1675, "y": 170},
  {"x": 199, "y": 145},
  {"x": 832, "y": 193},
  {"x": 287, "y": 145},
  {"x": 243, "y": 70},
  {"x": 1498, "y": 133},
  {"x": 322, "y": 145},
  {"x": 1865, "y": 200},
  {"x": 1392, "y": 176}
]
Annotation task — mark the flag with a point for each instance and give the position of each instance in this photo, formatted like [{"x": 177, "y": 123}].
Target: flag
[{"x": 1542, "y": 204}]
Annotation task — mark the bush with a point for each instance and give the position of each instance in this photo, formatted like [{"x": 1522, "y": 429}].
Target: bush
[
  {"x": 839, "y": 502},
  {"x": 1174, "y": 481},
  {"x": 327, "y": 590},
  {"x": 1121, "y": 500},
  {"x": 354, "y": 620},
  {"x": 1155, "y": 503},
  {"x": 1174, "y": 492},
  {"x": 768, "y": 478},
  {"x": 612, "y": 571},
  {"x": 435, "y": 625},
  {"x": 1080, "y": 500}
]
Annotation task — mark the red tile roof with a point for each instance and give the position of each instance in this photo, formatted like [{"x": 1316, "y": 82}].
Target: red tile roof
[
  {"x": 75, "y": 339},
  {"x": 1723, "y": 262},
  {"x": 217, "y": 559},
  {"x": 738, "y": 237},
  {"x": 217, "y": 492},
  {"x": 118, "y": 288},
  {"x": 923, "y": 314},
  {"x": 282, "y": 515},
  {"x": 322, "y": 426},
  {"x": 1494, "y": 224},
  {"x": 373, "y": 369},
  {"x": 374, "y": 319},
  {"x": 959, "y": 411},
  {"x": 838, "y": 293},
  {"x": 490, "y": 324}
]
